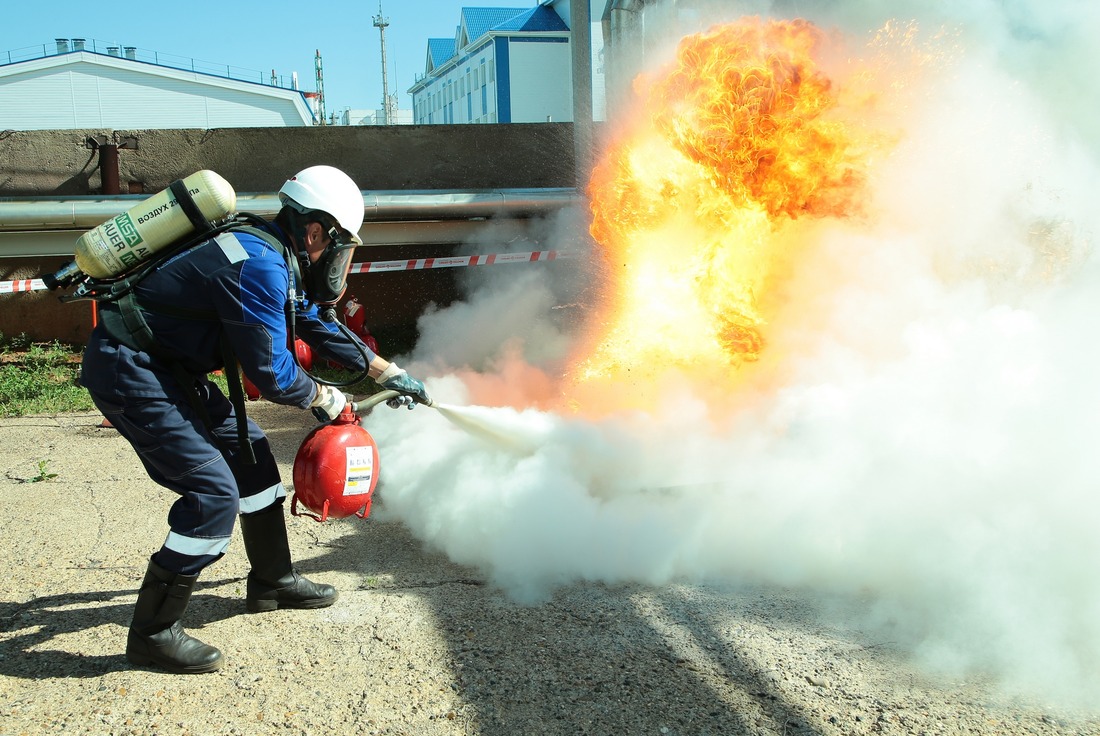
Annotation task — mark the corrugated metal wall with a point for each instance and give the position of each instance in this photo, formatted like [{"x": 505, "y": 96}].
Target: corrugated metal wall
[{"x": 94, "y": 95}]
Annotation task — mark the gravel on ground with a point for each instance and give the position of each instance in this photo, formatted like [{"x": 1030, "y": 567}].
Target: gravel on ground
[{"x": 417, "y": 644}]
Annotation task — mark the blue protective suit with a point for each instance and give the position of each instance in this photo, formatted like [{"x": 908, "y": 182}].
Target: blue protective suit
[{"x": 237, "y": 284}]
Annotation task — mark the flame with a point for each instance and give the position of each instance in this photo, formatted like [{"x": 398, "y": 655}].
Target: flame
[{"x": 735, "y": 138}]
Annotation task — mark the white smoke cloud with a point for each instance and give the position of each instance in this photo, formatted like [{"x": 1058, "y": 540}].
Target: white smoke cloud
[{"x": 918, "y": 431}]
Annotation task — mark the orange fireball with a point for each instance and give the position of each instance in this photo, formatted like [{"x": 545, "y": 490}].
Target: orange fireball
[{"x": 738, "y": 136}]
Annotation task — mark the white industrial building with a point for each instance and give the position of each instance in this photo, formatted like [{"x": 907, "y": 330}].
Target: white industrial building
[
  {"x": 354, "y": 116},
  {"x": 113, "y": 88},
  {"x": 505, "y": 65}
]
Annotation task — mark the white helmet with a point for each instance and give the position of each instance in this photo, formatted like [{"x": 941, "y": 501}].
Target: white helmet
[{"x": 329, "y": 190}]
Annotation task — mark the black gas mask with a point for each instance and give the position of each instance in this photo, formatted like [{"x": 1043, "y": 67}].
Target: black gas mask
[{"x": 326, "y": 279}]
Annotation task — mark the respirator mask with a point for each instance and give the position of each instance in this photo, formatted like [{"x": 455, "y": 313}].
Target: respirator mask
[{"x": 326, "y": 279}]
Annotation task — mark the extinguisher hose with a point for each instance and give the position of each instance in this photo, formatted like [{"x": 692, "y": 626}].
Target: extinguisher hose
[
  {"x": 329, "y": 315},
  {"x": 375, "y": 399}
]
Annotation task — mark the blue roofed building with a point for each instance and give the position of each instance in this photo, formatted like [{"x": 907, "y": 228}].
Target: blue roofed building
[{"x": 502, "y": 65}]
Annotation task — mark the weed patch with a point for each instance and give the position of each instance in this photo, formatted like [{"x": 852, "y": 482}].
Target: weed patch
[{"x": 40, "y": 378}]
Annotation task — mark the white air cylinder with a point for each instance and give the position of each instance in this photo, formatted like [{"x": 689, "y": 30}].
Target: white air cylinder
[{"x": 124, "y": 241}]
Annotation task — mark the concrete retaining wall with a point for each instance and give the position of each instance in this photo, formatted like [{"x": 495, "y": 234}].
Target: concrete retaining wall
[{"x": 57, "y": 163}]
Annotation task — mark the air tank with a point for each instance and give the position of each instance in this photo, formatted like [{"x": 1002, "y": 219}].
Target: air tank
[{"x": 124, "y": 241}]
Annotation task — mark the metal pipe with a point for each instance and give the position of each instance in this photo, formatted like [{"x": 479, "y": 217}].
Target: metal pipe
[
  {"x": 43, "y": 243},
  {"x": 74, "y": 213},
  {"x": 109, "y": 181},
  {"x": 108, "y": 168}
]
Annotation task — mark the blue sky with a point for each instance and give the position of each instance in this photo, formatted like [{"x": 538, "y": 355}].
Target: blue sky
[{"x": 262, "y": 36}]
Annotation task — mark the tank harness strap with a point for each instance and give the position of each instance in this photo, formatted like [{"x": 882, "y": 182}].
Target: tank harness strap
[
  {"x": 187, "y": 204},
  {"x": 271, "y": 240},
  {"x": 295, "y": 274},
  {"x": 237, "y": 399},
  {"x": 292, "y": 265}
]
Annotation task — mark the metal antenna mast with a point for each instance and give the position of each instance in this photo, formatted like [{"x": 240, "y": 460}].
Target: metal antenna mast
[
  {"x": 320, "y": 88},
  {"x": 381, "y": 23}
]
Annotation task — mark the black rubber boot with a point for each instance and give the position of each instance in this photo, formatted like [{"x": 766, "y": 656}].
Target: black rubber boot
[
  {"x": 156, "y": 635},
  {"x": 273, "y": 582}
]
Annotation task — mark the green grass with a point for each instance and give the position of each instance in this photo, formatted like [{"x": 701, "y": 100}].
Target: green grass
[
  {"x": 360, "y": 389},
  {"x": 39, "y": 378}
]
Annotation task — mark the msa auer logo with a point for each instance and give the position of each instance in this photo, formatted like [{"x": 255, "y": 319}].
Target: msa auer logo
[{"x": 128, "y": 230}]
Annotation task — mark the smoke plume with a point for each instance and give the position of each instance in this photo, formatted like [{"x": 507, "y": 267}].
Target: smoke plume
[{"x": 920, "y": 428}]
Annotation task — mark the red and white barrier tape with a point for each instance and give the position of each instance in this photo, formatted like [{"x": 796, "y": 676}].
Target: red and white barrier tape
[
  {"x": 418, "y": 264},
  {"x": 411, "y": 264},
  {"x": 10, "y": 287}
]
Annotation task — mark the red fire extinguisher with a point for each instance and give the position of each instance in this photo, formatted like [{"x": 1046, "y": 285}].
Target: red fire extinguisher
[
  {"x": 355, "y": 317},
  {"x": 250, "y": 390},
  {"x": 304, "y": 354},
  {"x": 336, "y": 468}
]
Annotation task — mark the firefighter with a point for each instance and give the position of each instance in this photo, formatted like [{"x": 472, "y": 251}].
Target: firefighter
[{"x": 147, "y": 372}]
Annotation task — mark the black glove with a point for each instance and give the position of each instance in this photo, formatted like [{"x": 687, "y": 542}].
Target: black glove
[{"x": 396, "y": 379}]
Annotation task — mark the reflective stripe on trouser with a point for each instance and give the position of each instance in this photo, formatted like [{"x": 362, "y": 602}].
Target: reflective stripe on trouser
[{"x": 179, "y": 453}]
